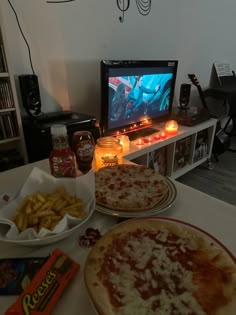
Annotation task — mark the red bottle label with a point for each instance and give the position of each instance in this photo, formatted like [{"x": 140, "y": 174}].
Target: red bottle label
[
  {"x": 63, "y": 166},
  {"x": 84, "y": 150}
]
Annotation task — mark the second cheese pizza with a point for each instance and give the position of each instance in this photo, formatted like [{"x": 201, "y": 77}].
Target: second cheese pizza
[{"x": 128, "y": 187}]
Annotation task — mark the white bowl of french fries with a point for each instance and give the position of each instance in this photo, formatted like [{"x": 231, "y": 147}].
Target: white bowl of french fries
[{"x": 47, "y": 209}]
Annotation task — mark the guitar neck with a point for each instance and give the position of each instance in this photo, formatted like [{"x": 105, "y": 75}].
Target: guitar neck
[
  {"x": 194, "y": 80},
  {"x": 202, "y": 97}
]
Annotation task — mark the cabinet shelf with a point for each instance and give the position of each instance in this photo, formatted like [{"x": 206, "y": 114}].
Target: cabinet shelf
[
  {"x": 188, "y": 168},
  {"x": 12, "y": 141},
  {"x": 4, "y": 75},
  {"x": 5, "y": 110},
  {"x": 142, "y": 154}
]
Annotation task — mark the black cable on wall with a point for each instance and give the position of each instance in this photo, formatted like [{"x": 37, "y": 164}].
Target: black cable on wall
[
  {"x": 28, "y": 47},
  {"x": 21, "y": 31}
]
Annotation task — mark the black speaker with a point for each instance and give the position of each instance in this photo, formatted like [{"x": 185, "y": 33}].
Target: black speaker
[
  {"x": 184, "y": 95},
  {"x": 30, "y": 94}
]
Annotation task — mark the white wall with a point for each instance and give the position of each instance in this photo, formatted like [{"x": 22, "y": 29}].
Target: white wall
[{"x": 67, "y": 42}]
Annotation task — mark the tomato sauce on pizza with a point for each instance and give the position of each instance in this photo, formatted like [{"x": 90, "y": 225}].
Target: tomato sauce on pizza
[{"x": 150, "y": 271}]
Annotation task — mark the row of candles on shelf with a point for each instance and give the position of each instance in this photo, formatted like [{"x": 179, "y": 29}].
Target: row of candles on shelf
[
  {"x": 171, "y": 128},
  {"x": 110, "y": 151},
  {"x": 159, "y": 136}
]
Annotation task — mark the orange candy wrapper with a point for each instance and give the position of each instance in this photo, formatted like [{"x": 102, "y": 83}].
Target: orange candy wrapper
[{"x": 43, "y": 292}]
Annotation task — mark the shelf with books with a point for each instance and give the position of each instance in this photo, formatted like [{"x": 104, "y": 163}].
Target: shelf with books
[
  {"x": 187, "y": 168},
  {"x": 8, "y": 125},
  {"x": 6, "y": 96},
  {"x": 157, "y": 160},
  {"x": 176, "y": 154},
  {"x": 11, "y": 131},
  {"x": 3, "y": 60},
  {"x": 183, "y": 153},
  {"x": 202, "y": 143}
]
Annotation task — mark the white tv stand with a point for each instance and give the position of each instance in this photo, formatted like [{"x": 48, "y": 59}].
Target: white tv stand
[{"x": 195, "y": 142}]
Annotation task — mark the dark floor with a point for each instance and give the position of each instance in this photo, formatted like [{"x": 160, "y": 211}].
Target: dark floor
[{"x": 219, "y": 182}]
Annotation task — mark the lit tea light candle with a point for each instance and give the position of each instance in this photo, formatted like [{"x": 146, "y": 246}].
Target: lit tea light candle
[
  {"x": 171, "y": 127},
  {"x": 124, "y": 141},
  {"x": 140, "y": 141},
  {"x": 162, "y": 135},
  {"x": 157, "y": 136}
]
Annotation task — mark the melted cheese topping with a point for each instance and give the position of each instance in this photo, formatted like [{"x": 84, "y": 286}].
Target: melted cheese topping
[
  {"x": 129, "y": 187},
  {"x": 147, "y": 278}
]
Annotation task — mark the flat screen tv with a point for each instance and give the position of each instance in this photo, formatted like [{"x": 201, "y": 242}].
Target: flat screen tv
[{"x": 135, "y": 95}]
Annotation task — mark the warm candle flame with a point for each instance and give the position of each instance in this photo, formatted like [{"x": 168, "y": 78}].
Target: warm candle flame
[
  {"x": 171, "y": 127},
  {"x": 140, "y": 141}
]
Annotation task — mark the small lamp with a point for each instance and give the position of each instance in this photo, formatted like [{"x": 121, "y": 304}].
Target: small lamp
[{"x": 171, "y": 127}]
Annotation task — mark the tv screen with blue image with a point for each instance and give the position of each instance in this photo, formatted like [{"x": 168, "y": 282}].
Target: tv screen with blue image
[
  {"x": 135, "y": 91},
  {"x": 133, "y": 98}
]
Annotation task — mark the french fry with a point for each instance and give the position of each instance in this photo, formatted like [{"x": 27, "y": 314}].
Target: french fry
[
  {"x": 32, "y": 220},
  {"x": 44, "y": 213},
  {"x": 21, "y": 222},
  {"x": 40, "y": 197},
  {"x": 37, "y": 206},
  {"x": 46, "y": 210},
  {"x": 28, "y": 209},
  {"x": 60, "y": 205}
]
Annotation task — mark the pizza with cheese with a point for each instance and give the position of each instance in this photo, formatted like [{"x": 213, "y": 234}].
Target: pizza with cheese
[
  {"x": 129, "y": 187},
  {"x": 160, "y": 266}
]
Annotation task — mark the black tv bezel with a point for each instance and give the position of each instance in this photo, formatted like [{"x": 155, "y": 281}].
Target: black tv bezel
[{"x": 106, "y": 66}]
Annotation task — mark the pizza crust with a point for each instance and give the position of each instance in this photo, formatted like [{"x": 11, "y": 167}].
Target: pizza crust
[{"x": 99, "y": 293}]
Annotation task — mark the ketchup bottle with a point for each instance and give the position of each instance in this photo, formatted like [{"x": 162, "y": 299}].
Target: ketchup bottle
[{"x": 62, "y": 158}]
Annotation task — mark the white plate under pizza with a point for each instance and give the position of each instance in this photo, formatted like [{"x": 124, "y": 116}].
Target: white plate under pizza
[
  {"x": 149, "y": 266},
  {"x": 129, "y": 190}
]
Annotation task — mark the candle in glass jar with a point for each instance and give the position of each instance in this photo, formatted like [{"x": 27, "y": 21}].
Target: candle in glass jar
[
  {"x": 171, "y": 127},
  {"x": 108, "y": 152},
  {"x": 124, "y": 141}
]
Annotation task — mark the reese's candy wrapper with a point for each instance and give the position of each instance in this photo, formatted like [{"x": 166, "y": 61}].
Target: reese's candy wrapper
[{"x": 43, "y": 292}]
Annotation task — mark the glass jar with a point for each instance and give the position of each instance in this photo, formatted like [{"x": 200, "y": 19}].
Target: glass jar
[{"x": 108, "y": 152}]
